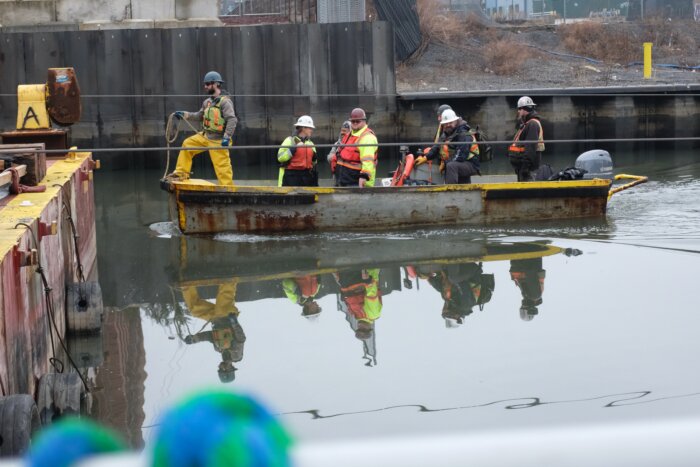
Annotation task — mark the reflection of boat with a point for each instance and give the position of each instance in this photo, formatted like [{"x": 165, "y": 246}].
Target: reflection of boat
[
  {"x": 204, "y": 259},
  {"x": 199, "y": 206},
  {"x": 304, "y": 271}
]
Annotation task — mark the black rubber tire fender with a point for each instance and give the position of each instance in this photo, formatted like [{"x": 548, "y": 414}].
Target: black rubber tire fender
[{"x": 19, "y": 420}]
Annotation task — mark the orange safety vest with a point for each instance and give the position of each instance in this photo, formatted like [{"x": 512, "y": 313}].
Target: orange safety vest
[
  {"x": 447, "y": 288},
  {"x": 214, "y": 121},
  {"x": 355, "y": 297},
  {"x": 303, "y": 158},
  {"x": 446, "y": 153},
  {"x": 308, "y": 285},
  {"x": 518, "y": 148},
  {"x": 518, "y": 277},
  {"x": 349, "y": 156}
]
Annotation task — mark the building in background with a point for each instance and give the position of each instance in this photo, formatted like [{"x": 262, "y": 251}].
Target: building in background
[
  {"x": 292, "y": 11},
  {"x": 510, "y": 9}
]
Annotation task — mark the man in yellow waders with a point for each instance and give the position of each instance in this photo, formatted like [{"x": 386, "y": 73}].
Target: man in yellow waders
[
  {"x": 226, "y": 333},
  {"x": 219, "y": 121}
]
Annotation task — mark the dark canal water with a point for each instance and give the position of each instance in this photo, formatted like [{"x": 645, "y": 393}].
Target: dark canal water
[{"x": 586, "y": 321}]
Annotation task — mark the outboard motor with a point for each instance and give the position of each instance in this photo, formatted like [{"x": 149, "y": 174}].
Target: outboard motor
[{"x": 597, "y": 163}]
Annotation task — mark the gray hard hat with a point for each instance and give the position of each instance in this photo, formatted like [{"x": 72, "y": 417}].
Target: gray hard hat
[
  {"x": 226, "y": 372},
  {"x": 213, "y": 76},
  {"x": 442, "y": 108}
]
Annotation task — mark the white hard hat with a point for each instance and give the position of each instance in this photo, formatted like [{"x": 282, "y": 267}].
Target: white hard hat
[
  {"x": 451, "y": 323},
  {"x": 448, "y": 116},
  {"x": 526, "y": 101},
  {"x": 306, "y": 121}
]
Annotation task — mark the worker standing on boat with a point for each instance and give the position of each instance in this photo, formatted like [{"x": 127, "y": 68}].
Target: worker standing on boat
[
  {"x": 297, "y": 156},
  {"x": 333, "y": 155},
  {"x": 525, "y": 153},
  {"x": 357, "y": 165},
  {"x": 461, "y": 160},
  {"x": 219, "y": 121}
]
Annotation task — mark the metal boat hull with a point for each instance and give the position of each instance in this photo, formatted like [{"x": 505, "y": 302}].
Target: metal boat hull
[{"x": 201, "y": 207}]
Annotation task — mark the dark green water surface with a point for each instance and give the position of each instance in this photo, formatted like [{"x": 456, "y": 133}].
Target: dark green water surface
[{"x": 542, "y": 324}]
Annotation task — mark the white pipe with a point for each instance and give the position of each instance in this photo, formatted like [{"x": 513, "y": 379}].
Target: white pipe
[
  {"x": 638, "y": 445},
  {"x": 673, "y": 442}
]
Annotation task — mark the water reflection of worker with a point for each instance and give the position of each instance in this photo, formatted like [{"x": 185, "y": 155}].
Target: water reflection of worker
[
  {"x": 226, "y": 333},
  {"x": 361, "y": 300},
  {"x": 303, "y": 291},
  {"x": 528, "y": 275},
  {"x": 460, "y": 286}
]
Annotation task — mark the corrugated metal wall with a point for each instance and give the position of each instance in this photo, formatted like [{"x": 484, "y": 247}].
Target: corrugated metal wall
[{"x": 403, "y": 16}]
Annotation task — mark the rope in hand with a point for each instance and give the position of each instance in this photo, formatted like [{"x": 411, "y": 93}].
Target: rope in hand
[{"x": 172, "y": 131}]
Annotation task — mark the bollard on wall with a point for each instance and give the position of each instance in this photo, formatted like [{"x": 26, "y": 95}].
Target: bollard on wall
[{"x": 647, "y": 60}]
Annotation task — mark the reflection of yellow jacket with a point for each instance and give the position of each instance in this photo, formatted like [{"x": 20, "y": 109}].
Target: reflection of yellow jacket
[
  {"x": 224, "y": 305},
  {"x": 361, "y": 294},
  {"x": 300, "y": 289}
]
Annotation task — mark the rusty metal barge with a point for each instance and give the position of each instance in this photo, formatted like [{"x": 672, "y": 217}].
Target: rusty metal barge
[{"x": 202, "y": 207}]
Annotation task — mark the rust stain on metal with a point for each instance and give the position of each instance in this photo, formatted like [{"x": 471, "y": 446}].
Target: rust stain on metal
[
  {"x": 64, "y": 96},
  {"x": 452, "y": 212},
  {"x": 255, "y": 221}
]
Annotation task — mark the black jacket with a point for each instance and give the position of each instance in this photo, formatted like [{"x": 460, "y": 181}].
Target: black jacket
[
  {"x": 461, "y": 151},
  {"x": 530, "y": 132}
]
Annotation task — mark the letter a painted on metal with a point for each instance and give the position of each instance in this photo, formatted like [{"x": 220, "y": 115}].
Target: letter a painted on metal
[{"x": 30, "y": 114}]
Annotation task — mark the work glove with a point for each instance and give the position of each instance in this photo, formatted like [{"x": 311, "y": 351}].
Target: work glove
[
  {"x": 226, "y": 141},
  {"x": 189, "y": 339},
  {"x": 180, "y": 114},
  {"x": 420, "y": 160}
]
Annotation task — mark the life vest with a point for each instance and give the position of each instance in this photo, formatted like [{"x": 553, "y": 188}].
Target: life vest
[
  {"x": 308, "y": 285},
  {"x": 447, "y": 153},
  {"x": 363, "y": 298},
  {"x": 303, "y": 158},
  {"x": 222, "y": 338},
  {"x": 214, "y": 121},
  {"x": 518, "y": 149},
  {"x": 349, "y": 156},
  {"x": 403, "y": 171}
]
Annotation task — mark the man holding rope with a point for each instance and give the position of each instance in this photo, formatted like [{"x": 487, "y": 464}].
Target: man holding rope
[{"x": 219, "y": 121}]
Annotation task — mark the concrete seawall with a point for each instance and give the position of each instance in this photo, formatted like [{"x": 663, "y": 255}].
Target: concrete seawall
[{"x": 567, "y": 114}]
